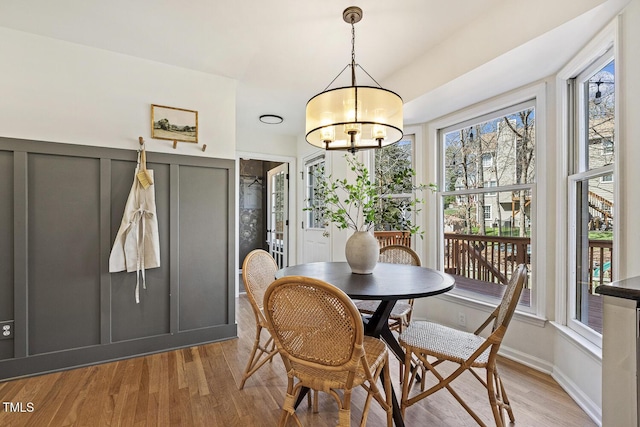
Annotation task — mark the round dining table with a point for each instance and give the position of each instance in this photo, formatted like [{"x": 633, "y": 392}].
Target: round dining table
[{"x": 388, "y": 283}]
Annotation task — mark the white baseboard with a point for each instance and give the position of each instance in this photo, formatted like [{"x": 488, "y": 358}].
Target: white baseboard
[
  {"x": 588, "y": 406},
  {"x": 582, "y": 400},
  {"x": 526, "y": 359}
]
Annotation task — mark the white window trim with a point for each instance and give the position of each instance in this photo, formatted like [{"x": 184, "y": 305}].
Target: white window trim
[
  {"x": 571, "y": 321},
  {"x": 536, "y": 92},
  {"x": 565, "y": 271}
]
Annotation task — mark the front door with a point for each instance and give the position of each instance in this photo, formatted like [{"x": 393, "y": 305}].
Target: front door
[{"x": 277, "y": 213}]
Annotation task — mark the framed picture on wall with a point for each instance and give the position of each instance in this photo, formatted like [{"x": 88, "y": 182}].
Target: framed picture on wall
[{"x": 175, "y": 124}]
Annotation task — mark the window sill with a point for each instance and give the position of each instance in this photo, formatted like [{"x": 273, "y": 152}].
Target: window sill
[
  {"x": 489, "y": 306},
  {"x": 580, "y": 341}
]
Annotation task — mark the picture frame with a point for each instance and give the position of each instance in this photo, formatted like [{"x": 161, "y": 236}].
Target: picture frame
[{"x": 174, "y": 124}]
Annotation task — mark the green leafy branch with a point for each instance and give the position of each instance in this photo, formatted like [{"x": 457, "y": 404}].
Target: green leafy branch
[{"x": 362, "y": 203}]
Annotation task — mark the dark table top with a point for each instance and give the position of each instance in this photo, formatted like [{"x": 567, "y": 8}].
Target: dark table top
[
  {"x": 627, "y": 288},
  {"x": 387, "y": 282}
]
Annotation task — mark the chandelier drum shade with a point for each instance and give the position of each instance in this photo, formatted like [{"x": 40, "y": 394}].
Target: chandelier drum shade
[{"x": 354, "y": 117}]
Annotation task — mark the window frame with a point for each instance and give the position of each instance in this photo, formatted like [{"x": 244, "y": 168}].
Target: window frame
[
  {"x": 487, "y": 160},
  {"x": 606, "y": 40},
  {"x": 579, "y": 171},
  {"x": 536, "y": 313},
  {"x": 487, "y": 212},
  {"x": 371, "y": 159}
]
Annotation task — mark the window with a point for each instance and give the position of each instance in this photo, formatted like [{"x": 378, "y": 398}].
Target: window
[
  {"x": 488, "y": 174},
  {"x": 490, "y": 184},
  {"x": 487, "y": 160},
  {"x": 391, "y": 164},
  {"x": 487, "y": 213},
  {"x": 591, "y": 193},
  {"x": 314, "y": 168}
]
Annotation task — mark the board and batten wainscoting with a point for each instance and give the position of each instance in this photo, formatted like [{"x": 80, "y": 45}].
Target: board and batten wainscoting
[{"x": 60, "y": 209}]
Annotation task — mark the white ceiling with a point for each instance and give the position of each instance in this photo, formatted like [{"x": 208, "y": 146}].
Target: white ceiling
[{"x": 282, "y": 52}]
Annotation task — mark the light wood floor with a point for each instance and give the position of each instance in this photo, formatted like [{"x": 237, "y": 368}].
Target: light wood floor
[{"x": 198, "y": 386}]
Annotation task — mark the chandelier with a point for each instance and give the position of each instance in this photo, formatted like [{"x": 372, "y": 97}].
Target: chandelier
[{"x": 354, "y": 117}]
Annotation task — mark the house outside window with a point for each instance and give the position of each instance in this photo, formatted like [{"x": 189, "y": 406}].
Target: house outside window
[
  {"x": 488, "y": 177},
  {"x": 591, "y": 194}
]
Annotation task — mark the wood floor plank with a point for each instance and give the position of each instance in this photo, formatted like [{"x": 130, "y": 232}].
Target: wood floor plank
[{"x": 198, "y": 386}]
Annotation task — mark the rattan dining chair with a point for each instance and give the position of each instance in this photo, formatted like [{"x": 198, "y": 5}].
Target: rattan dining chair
[
  {"x": 401, "y": 314},
  {"x": 320, "y": 336},
  {"x": 424, "y": 341},
  {"x": 258, "y": 272}
]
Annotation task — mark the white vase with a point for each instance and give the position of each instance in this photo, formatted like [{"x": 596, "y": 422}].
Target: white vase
[{"x": 362, "y": 252}]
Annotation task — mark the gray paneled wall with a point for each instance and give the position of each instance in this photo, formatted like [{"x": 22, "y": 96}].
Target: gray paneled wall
[
  {"x": 60, "y": 209},
  {"x": 6, "y": 247},
  {"x": 63, "y": 215},
  {"x": 201, "y": 231},
  {"x": 131, "y": 320}
]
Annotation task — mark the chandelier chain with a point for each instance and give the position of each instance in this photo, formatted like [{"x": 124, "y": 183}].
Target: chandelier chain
[
  {"x": 353, "y": 52},
  {"x": 353, "y": 42},
  {"x": 353, "y": 65}
]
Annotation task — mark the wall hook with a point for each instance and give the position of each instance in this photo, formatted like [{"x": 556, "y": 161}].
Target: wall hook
[{"x": 204, "y": 147}]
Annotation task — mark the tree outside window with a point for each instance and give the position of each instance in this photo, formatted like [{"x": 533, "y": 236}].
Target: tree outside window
[
  {"x": 394, "y": 176},
  {"x": 487, "y": 198}
]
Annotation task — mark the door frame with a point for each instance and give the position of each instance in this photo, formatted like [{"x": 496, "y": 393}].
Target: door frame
[
  {"x": 281, "y": 256},
  {"x": 293, "y": 217}
]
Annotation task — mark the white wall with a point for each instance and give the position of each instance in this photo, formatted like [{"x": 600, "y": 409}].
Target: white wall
[
  {"x": 57, "y": 91},
  {"x": 267, "y": 142}
]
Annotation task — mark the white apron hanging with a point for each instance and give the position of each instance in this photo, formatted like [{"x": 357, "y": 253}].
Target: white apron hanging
[{"x": 137, "y": 245}]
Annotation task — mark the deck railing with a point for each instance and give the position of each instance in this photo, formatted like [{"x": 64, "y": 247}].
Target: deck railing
[
  {"x": 494, "y": 258},
  {"x": 386, "y": 238},
  {"x": 485, "y": 258},
  {"x": 600, "y": 269}
]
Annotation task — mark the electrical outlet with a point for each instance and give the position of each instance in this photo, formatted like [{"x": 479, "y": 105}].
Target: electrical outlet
[
  {"x": 6, "y": 330},
  {"x": 462, "y": 319}
]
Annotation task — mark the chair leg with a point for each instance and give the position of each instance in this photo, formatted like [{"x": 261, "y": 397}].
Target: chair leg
[
  {"x": 365, "y": 409},
  {"x": 288, "y": 407},
  {"x": 312, "y": 402},
  {"x": 256, "y": 359},
  {"x": 501, "y": 400},
  {"x": 386, "y": 378},
  {"x": 406, "y": 381},
  {"x": 344, "y": 414},
  {"x": 506, "y": 402},
  {"x": 443, "y": 382},
  {"x": 494, "y": 399},
  {"x": 382, "y": 372}
]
